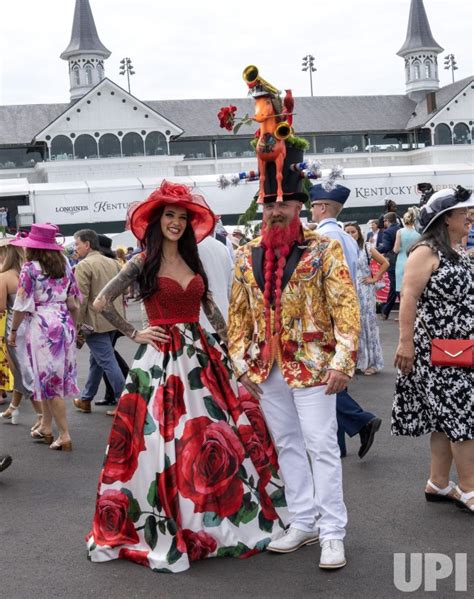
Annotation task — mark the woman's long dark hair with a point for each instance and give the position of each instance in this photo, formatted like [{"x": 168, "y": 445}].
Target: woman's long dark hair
[
  {"x": 153, "y": 244},
  {"x": 437, "y": 236}
]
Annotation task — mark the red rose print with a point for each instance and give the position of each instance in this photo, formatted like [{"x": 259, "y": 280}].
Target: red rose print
[
  {"x": 208, "y": 458},
  {"x": 111, "y": 525},
  {"x": 256, "y": 452},
  {"x": 252, "y": 409},
  {"x": 139, "y": 557},
  {"x": 126, "y": 439},
  {"x": 198, "y": 545},
  {"x": 266, "y": 503},
  {"x": 168, "y": 493},
  {"x": 168, "y": 406},
  {"x": 215, "y": 378}
]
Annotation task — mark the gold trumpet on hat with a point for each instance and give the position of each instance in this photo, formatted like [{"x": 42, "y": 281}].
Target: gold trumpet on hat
[{"x": 253, "y": 80}]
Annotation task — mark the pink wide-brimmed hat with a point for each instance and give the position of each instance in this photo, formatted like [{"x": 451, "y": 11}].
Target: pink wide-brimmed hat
[{"x": 40, "y": 237}]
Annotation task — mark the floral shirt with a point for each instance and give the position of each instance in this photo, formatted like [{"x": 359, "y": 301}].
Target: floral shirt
[{"x": 320, "y": 316}]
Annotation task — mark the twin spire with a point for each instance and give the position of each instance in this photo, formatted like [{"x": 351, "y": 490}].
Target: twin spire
[{"x": 85, "y": 52}]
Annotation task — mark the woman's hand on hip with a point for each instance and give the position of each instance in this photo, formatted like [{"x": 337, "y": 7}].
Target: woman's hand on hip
[{"x": 153, "y": 334}]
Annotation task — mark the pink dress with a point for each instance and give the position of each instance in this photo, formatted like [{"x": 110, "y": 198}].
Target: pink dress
[{"x": 50, "y": 333}]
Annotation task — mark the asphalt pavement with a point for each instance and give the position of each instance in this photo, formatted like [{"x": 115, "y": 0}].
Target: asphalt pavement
[{"x": 47, "y": 503}]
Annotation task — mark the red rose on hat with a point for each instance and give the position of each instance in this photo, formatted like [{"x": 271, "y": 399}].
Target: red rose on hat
[
  {"x": 208, "y": 458},
  {"x": 226, "y": 116},
  {"x": 126, "y": 439},
  {"x": 111, "y": 525},
  {"x": 168, "y": 406}
]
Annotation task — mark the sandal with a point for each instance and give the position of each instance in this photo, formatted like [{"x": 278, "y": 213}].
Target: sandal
[
  {"x": 44, "y": 437},
  {"x": 58, "y": 446},
  {"x": 370, "y": 371},
  {"x": 463, "y": 499},
  {"x": 37, "y": 424},
  {"x": 441, "y": 494}
]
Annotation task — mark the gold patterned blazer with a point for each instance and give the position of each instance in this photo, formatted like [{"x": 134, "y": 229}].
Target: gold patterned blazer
[{"x": 320, "y": 313}]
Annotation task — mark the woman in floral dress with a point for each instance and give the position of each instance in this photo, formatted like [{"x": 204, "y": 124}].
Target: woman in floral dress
[
  {"x": 18, "y": 356},
  {"x": 190, "y": 471},
  {"x": 438, "y": 303},
  {"x": 48, "y": 298},
  {"x": 369, "y": 356}
]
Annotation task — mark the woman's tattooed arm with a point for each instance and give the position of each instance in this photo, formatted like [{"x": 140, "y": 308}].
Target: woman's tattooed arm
[
  {"x": 215, "y": 317},
  {"x": 116, "y": 287}
]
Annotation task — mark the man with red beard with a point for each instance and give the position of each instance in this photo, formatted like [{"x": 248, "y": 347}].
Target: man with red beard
[{"x": 293, "y": 331}]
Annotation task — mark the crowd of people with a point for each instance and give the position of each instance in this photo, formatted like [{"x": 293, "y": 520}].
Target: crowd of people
[{"x": 229, "y": 426}]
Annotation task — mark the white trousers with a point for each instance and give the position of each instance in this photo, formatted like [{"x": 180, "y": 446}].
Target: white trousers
[{"x": 303, "y": 425}]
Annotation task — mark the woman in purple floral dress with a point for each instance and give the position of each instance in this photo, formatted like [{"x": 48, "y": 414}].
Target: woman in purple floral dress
[
  {"x": 190, "y": 471},
  {"x": 48, "y": 298}
]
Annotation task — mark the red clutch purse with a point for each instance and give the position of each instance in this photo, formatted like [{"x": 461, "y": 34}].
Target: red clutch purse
[{"x": 452, "y": 352}]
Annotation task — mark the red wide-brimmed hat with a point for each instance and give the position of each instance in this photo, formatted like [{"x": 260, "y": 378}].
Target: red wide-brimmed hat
[
  {"x": 40, "y": 237},
  {"x": 202, "y": 217}
]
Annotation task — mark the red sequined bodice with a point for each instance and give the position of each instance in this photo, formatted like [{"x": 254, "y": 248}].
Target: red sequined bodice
[{"x": 172, "y": 304}]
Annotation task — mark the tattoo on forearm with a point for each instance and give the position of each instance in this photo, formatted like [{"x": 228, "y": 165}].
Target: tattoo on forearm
[
  {"x": 116, "y": 287},
  {"x": 215, "y": 318}
]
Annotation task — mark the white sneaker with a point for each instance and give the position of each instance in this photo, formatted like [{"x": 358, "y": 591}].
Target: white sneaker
[
  {"x": 332, "y": 554},
  {"x": 292, "y": 539}
]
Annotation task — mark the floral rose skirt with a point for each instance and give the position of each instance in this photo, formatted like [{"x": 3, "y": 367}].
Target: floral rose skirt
[{"x": 190, "y": 470}]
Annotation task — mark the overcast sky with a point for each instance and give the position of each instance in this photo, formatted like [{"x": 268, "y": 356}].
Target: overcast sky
[{"x": 198, "y": 48}]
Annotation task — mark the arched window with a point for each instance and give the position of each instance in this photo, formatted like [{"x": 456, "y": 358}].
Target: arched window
[
  {"x": 100, "y": 71},
  {"x": 428, "y": 69},
  {"x": 109, "y": 146},
  {"x": 132, "y": 145},
  {"x": 76, "y": 76},
  {"x": 443, "y": 135},
  {"x": 416, "y": 69},
  {"x": 155, "y": 144},
  {"x": 85, "y": 146},
  {"x": 461, "y": 134},
  {"x": 89, "y": 74},
  {"x": 61, "y": 148}
]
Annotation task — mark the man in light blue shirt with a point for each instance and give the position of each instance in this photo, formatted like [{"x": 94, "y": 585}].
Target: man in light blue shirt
[{"x": 326, "y": 205}]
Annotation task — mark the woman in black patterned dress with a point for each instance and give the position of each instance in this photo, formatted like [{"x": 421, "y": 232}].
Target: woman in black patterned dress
[{"x": 438, "y": 292}]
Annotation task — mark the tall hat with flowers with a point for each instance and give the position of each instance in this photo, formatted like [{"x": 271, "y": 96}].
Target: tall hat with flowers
[{"x": 282, "y": 174}]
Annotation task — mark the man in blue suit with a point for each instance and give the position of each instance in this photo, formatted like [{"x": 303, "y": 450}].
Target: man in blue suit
[
  {"x": 326, "y": 205},
  {"x": 385, "y": 247}
]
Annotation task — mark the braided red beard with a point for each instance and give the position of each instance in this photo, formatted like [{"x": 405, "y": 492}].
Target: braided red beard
[{"x": 276, "y": 238}]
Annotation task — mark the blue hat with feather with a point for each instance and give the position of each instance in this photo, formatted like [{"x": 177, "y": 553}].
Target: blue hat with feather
[{"x": 330, "y": 190}]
